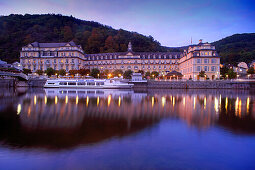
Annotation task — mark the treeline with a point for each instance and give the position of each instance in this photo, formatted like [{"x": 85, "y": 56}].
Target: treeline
[
  {"x": 236, "y": 48},
  {"x": 19, "y": 30}
]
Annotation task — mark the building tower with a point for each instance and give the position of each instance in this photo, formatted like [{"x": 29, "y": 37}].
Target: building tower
[{"x": 129, "y": 46}]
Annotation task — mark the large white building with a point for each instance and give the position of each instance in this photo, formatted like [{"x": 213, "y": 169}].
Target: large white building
[{"x": 69, "y": 56}]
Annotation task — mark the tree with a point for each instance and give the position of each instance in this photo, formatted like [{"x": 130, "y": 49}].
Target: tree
[
  {"x": 147, "y": 74},
  {"x": 26, "y": 71},
  {"x": 117, "y": 73},
  {"x": 251, "y": 70},
  {"x": 83, "y": 71},
  {"x": 94, "y": 73},
  {"x": 224, "y": 71},
  {"x": 62, "y": 72},
  {"x": 50, "y": 71},
  {"x": 73, "y": 72},
  {"x": 141, "y": 71},
  {"x": 154, "y": 74},
  {"x": 231, "y": 74},
  {"x": 127, "y": 74},
  {"x": 202, "y": 73},
  {"x": 39, "y": 72}
]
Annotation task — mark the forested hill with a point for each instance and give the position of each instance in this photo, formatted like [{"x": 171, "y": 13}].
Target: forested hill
[
  {"x": 236, "y": 48},
  {"x": 19, "y": 30}
]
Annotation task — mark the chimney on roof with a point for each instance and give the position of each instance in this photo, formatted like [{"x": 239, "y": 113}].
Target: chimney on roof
[{"x": 200, "y": 41}]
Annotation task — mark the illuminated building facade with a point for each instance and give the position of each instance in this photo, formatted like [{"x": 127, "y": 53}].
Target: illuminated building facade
[{"x": 69, "y": 56}]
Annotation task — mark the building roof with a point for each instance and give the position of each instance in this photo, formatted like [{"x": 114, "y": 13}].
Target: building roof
[
  {"x": 172, "y": 73},
  {"x": 53, "y": 45}
]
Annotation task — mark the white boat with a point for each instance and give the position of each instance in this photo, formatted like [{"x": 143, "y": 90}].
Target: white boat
[{"x": 88, "y": 83}]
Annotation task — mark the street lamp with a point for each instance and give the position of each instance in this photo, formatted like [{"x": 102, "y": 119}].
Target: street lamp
[
  {"x": 98, "y": 75},
  {"x": 119, "y": 75}
]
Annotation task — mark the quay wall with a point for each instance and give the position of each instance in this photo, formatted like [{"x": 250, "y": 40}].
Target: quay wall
[
  {"x": 196, "y": 85},
  {"x": 12, "y": 82}
]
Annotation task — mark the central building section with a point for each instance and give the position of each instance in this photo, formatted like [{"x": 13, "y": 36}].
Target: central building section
[{"x": 130, "y": 60}]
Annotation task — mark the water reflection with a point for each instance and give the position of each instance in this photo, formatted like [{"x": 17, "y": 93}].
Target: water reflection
[{"x": 72, "y": 117}]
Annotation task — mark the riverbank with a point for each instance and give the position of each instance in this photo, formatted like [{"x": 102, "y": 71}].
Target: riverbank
[{"x": 189, "y": 84}]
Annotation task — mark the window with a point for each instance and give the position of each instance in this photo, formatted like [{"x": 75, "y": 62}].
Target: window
[
  {"x": 206, "y": 68},
  {"x": 71, "y": 83},
  {"x": 213, "y": 60},
  {"x": 135, "y": 67},
  {"x": 198, "y": 68},
  {"x": 81, "y": 83},
  {"x": 198, "y": 60},
  {"x": 213, "y": 68},
  {"x": 206, "y": 60}
]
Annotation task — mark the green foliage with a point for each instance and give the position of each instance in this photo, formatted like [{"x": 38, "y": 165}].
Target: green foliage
[
  {"x": 141, "y": 71},
  {"x": 83, "y": 72},
  {"x": 236, "y": 48},
  {"x": 147, "y": 74},
  {"x": 224, "y": 71},
  {"x": 62, "y": 72},
  {"x": 19, "y": 30},
  {"x": 94, "y": 72},
  {"x": 251, "y": 70},
  {"x": 118, "y": 72},
  {"x": 39, "y": 72},
  {"x": 73, "y": 72},
  {"x": 50, "y": 71},
  {"x": 26, "y": 71},
  {"x": 154, "y": 74},
  {"x": 127, "y": 74},
  {"x": 231, "y": 74},
  {"x": 202, "y": 73}
]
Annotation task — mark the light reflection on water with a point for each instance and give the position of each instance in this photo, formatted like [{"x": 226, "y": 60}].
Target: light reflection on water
[{"x": 62, "y": 119}]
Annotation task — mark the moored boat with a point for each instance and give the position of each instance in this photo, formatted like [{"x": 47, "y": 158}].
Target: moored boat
[{"x": 88, "y": 83}]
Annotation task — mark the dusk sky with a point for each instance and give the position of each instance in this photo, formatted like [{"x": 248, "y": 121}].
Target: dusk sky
[{"x": 171, "y": 22}]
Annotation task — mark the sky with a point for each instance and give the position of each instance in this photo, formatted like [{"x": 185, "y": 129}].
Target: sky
[{"x": 171, "y": 22}]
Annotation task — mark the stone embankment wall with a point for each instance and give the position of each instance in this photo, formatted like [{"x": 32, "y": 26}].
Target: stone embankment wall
[
  {"x": 196, "y": 85},
  {"x": 12, "y": 82},
  {"x": 7, "y": 82}
]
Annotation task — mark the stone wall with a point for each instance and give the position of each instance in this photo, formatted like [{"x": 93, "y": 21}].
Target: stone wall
[{"x": 196, "y": 85}]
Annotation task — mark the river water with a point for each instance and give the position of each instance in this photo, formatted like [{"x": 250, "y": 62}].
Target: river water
[{"x": 125, "y": 129}]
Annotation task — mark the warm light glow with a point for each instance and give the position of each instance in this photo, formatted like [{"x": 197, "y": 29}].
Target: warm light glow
[
  {"x": 194, "y": 102},
  {"x": 119, "y": 101},
  {"x": 66, "y": 99},
  {"x": 226, "y": 104},
  {"x": 35, "y": 100},
  {"x": 163, "y": 100},
  {"x": 29, "y": 111},
  {"x": 236, "y": 105},
  {"x": 184, "y": 102},
  {"x": 216, "y": 105},
  {"x": 56, "y": 99},
  {"x": 45, "y": 99},
  {"x": 240, "y": 107},
  {"x": 248, "y": 104},
  {"x": 87, "y": 101},
  {"x": 110, "y": 75},
  {"x": 77, "y": 100},
  {"x": 109, "y": 100},
  {"x": 152, "y": 101},
  {"x": 173, "y": 101},
  {"x": 98, "y": 100},
  {"x": 204, "y": 102},
  {"x": 18, "y": 109}
]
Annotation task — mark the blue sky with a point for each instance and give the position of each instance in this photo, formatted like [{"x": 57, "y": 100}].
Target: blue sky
[{"x": 171, "y": 22}]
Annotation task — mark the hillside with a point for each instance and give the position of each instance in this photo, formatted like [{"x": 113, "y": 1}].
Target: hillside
[
  {"x": 19, "y": 30},
  {"x": 236, "y": 48}
]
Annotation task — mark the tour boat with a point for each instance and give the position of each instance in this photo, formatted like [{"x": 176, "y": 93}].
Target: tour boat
[{"x": 88, "y": 83}]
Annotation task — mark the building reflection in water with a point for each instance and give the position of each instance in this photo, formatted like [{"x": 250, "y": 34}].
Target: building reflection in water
[
  {"x": 56, "y": 109},
  {"x": 58, "y": 106}
]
